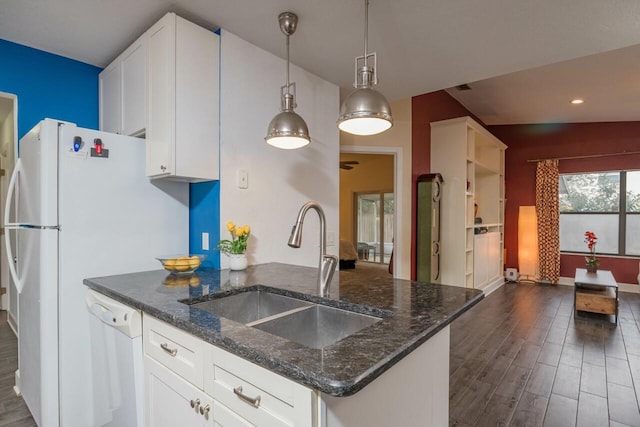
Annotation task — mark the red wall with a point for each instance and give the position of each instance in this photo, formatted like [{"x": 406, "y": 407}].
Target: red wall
[
  {"x": 527, "y": 142},
  {"x": 427, "y": 108}
]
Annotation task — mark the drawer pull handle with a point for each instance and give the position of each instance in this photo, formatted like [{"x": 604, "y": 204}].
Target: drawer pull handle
[
  {"x": 205, "y": 411},
  {"x": 171, "y": 351},
  {"x": 195, "y": 403},
  {"x": 253, "y": 401}
]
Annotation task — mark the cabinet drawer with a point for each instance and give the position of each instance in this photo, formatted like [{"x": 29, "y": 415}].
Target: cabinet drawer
[
  {"x": 256, "y": 394},
  {"x": 175, "y": 349}
]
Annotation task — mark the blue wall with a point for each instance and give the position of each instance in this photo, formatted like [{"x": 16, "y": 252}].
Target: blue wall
[
  {"x": 52, "y": 86},
  {"x": 204, "y": 216},
  {"x": 48, "y": 85}
]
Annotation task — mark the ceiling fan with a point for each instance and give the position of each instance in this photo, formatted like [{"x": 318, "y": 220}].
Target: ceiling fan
[{"x": 347, "y": 164}]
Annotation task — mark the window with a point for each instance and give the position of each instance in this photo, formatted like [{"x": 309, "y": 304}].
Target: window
[
  {"x": 374, "y": 225},
  {"x": 607, "y": 203}
]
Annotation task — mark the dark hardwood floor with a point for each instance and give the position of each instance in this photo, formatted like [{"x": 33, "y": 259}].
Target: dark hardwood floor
[
  {"x": 519, "y": 358},
  {"x": 13, "y": 410}
]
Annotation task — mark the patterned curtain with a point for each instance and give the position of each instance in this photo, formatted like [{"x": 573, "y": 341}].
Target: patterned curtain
[{"x": 548, "y": 210}]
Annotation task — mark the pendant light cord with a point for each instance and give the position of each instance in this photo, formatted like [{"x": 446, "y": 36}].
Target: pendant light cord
[
  {"x": 287, "y": 64},
  {"x": 366, "y": 32}
]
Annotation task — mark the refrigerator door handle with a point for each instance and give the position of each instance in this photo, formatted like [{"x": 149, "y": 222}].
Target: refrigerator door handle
[{"x": 7, "y": 235}]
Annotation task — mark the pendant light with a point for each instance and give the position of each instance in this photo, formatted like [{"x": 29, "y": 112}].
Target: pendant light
[
  {"x": 288, "y": 130},
  {"x": 365, "y": 111}
]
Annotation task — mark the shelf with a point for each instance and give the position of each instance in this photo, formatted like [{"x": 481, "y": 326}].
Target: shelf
[
  {"x": 488, "y": 225},
  {"x": 483, "y": 169}
]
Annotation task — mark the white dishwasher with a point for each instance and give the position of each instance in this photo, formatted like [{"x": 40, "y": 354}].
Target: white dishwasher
[{"x": 117, "y": 364}]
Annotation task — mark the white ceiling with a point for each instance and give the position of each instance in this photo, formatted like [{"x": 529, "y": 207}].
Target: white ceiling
[{"x": 422, "y": 45}]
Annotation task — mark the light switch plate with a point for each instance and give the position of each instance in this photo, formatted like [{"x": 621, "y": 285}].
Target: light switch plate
[{"x": 242, "y": 178}]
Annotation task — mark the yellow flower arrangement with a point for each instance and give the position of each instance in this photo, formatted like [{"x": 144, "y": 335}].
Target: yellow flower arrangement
[{"x": 238, "y": 242}]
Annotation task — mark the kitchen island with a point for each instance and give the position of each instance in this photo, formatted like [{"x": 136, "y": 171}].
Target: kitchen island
[{"x": 409, "y": 343}]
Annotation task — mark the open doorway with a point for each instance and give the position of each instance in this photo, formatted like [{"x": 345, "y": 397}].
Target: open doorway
[
  {"x": 8, "y": 143},
  {"x": 368, "y": 204}
]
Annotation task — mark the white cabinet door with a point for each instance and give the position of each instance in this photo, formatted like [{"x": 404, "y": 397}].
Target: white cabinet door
[
  {"x": 182, "y": 109},
  {"x": 494, "y": 269},
  {"x": 110, "y": 108},
  {"x": 223, "y": 417},
  {"x": 161, "y": 95},
  {"x": 486, "y": 259},
  {"x": 123, "y": 90},
  {"x": 171, "y": 401},
  {"x": 480, "y": 259},
  {"x": 134, "y": 88}
]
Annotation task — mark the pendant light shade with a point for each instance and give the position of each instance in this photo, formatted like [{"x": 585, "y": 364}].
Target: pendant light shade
[
  {"x": 287, "y": 129},
  {"x": 365, "y": 111}
]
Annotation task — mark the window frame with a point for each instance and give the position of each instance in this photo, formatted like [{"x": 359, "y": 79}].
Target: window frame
[{"x": 621, "y": 213}]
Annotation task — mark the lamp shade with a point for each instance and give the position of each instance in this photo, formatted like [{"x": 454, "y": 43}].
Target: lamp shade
[
  {"x": 527, "y": 241},
  {"x": 365, "y": 112},
  {"x": 288, "y": 130}
]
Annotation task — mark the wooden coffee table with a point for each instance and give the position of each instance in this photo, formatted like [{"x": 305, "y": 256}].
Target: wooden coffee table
[{"x": 595, "y": 292}]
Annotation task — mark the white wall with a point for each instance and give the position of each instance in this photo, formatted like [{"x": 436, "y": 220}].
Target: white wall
[
  {"x": 396, "y": 140},
  {"x": 280, "y": 181}
]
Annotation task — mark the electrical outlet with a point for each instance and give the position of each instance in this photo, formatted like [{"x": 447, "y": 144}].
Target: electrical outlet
[{"x": 205, "y": 241}]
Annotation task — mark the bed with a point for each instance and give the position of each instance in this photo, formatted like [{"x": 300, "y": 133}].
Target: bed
[{"x": 348, "y": 255}]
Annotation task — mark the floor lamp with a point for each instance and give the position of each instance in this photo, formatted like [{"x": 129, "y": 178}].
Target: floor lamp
[{"x": 527, "y": 243}]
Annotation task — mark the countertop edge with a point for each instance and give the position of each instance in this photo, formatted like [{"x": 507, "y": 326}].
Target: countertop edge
[{"x": 325, "y": 385}]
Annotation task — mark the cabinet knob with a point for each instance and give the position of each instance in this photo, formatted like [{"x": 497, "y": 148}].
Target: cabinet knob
[
  {"x": 205, "y": 411},
  {"x": 195, "y": 404}
]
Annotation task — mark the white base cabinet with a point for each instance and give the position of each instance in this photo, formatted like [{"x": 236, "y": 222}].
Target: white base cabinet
[
  {"x": 171, "y": 401},
  {"x": 414, "y": 392},
  {"x": 486, "y": 259},
  {"x": 228, "y": 391}
]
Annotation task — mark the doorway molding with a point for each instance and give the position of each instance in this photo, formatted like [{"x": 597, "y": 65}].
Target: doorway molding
[
  {"x": 396, "y": 152},
  {"x": 8, "y": 155}
]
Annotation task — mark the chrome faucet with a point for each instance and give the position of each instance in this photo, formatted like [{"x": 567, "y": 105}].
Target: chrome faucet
[{"x": 327, "y": 263}]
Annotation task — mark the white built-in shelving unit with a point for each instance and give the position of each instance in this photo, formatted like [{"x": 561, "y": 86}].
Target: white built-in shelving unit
[{"x": 471, "y": 162}]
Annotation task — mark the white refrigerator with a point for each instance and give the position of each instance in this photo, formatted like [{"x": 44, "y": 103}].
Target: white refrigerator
[{"x": 82, "y": 207}]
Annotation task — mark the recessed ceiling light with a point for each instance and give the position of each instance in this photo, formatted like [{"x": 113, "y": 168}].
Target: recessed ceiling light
[{"x": 577, "y": 101}]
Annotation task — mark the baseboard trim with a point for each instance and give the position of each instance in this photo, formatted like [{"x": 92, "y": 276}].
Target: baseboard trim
[
  {"x": 13, "y": 325},
  {"x": 495, "y": 285},
  {"x": 16, "y": 388}
]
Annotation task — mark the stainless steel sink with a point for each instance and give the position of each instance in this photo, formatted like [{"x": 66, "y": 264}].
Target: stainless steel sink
[
  {"x": 249, "y": 307},
  {"x": 310, "y": 324},
  {"x": 318, "y": 326}
]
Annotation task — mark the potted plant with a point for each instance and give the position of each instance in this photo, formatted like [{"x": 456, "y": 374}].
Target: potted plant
[
  {"x": 592, "y": 262},
  {"x": 236, "y": 247}
]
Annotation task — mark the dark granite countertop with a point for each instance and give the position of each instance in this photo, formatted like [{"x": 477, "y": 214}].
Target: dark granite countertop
[{"x": 413, "y": 312}]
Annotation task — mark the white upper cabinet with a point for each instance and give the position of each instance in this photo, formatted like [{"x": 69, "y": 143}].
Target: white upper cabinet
[
  {"x": 182, "y": 101},
  {"x": 165, "y": 87},
  {"x": 110, "y": 98},
  {"x": 134, "y": 88},
  {"x": 123, "y": 92}
]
